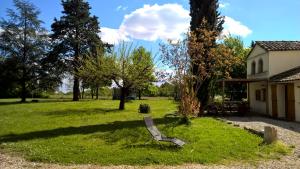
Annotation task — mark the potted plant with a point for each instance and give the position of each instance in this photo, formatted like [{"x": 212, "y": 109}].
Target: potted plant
[{"x": 144, "y": 109}]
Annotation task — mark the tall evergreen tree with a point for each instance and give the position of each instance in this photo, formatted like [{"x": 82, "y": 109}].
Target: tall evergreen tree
[
  {"x": 204, "y": 15},
  {"x": 74, "y": 35},
  {"x": 205, "y": 9},
  {"x": 23, "y": 43}
]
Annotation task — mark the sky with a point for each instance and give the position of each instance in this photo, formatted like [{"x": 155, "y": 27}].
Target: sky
[{"x": 149, "y": 22}]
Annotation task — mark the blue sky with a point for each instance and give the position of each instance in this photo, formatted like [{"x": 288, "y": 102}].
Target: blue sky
[{"x": 148, "y": 22}]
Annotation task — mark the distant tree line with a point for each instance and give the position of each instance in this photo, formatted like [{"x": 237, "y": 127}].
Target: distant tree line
[{"x": 34, "y": 60}]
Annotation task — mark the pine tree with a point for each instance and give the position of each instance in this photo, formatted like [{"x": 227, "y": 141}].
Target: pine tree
[
  {"x": 23, "y": 43},
  {"x": 204, "y": 15},
  {"x": 74, "y": 35}
]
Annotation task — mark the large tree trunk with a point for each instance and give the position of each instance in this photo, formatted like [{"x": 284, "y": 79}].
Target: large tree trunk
[
  {"x": 140, "y": 94},
  {"x": 92, "y": 93},
  {"x": 122, "y": 98},
  {"x": 82, "y": 93},
  {"x": 76, "y": 91},
  {"x": 23, "y": 92},
  {"x": 23, "y": 80},
  {"x": 203, "y": 95},
  {"x": 97, "y": 92}
]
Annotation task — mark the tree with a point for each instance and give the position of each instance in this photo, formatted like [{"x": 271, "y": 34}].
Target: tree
[
  {"x": 143, "y": 85},
  {"x": 201, "y": 10},
  {"x": 23, "y": 44},
  {"x": 151, "y": 91},
  {"x": 132, "y": 67},
  {"x": 94, "y": 70},
  {"x": 204, "y": 14},
  {"x": 213, "y": 61},
  {"x": 74, "y": 35},
  {"x": 167, "y": 90},
  {"x": 236, "y": 45},
  {"x": 239, "y": 69},
  {"x": 176, "y": 56},
  {"x": 9, "y": 86}
]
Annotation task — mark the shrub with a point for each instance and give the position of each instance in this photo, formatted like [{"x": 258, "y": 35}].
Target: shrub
[
  {"x": 144, "y": 109},
  {"x": 189, "y": 104}
]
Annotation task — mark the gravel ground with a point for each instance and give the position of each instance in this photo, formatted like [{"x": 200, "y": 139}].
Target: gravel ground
[{"x": 289, "y": 132}]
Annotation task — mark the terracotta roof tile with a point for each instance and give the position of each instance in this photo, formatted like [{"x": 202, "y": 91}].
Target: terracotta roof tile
[
  {"x": 279, "y": 45},
  {"x": 290, "y": 75}
]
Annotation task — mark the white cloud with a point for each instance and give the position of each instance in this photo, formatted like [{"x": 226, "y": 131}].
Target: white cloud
[
  {"x": 234, "y": 27},
  {"x": 168, "y": 21},
  {"x": 154, "y": 22},
  {"x": 113, "y": 36},
  {"x": 150, "y": 23},
  {"x": 123, "y": 8},
  {"x": 224, "y": 5}
]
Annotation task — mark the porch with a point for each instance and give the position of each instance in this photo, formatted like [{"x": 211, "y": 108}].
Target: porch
[{"x": 264, "y": 96}]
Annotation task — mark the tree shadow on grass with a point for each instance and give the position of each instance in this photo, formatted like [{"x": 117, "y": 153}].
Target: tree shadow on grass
[
  {"x": 41, "y": 100},
  {"x": 80, "y": 112},
  {"x": 158, "y": 146},
  {"x": 11, "y": 103},
  {"x": 129, "y": 126},
  {"x": 29, "y": 101}
]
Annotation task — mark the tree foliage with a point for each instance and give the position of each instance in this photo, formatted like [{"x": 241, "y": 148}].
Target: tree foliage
[
  {"x": 132, "y": 67},
  {"x": 23, "y": 45},
  {"x": 201, "y": 10},
  {"x": 212, "y": 62},
  {"x": 167, "y": 90},
  {"x": 236, "y": 45},
  {"x": 239, "y": 69},
  {"x": 205, "y": 22},
  {"x": 74, "y": 35},
  {"x": 94, "y": 70},
  {"x": 176, "y": 56}
]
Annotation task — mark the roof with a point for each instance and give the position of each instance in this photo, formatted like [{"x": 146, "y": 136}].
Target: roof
[
  {"x": 290, "y": 75},
  {"x": 279, "y": 45}
]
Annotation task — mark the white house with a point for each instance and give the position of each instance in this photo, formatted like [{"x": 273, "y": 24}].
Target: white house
[{"x": 273, "y": 72}]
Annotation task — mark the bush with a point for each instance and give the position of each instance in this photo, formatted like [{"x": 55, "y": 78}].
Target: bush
[
  {"x": 189, "y": 105},
  {"x": 144, "y": 109}
]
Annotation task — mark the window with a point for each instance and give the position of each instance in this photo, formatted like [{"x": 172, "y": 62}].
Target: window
[
  {"x": 253, "y": 67},
  {"x": 261, "y": 95},
  {"x": 257, "y": 95},
  {"x": 264, "y": 95},
  {"x": 260, "y": 66}
]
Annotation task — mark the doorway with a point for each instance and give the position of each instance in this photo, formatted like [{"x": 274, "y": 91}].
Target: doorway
[{"x": 290, "y": 102}]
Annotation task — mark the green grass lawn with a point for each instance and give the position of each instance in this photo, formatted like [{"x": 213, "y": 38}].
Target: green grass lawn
[{"x": 96, "y": 132}]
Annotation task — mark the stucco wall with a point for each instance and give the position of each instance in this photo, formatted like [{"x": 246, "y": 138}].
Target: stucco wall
[
  {"x": 256, "y": 51},
  {"x": 280, "y": 61},
  {"x": 255, "y": 105},
  {"x": 257, "y": 54}
]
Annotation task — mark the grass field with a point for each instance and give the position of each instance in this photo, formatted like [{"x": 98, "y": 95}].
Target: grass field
[{"x": 95, "y": 132}]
